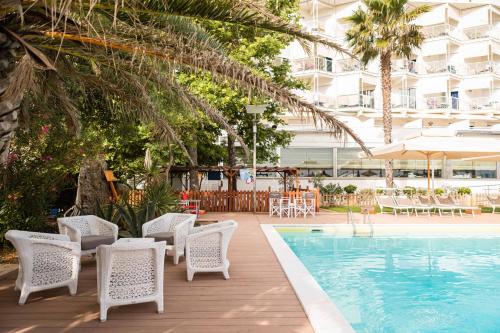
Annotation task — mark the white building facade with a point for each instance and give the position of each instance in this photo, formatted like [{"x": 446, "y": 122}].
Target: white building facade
[{"x": 452, "y": 82}]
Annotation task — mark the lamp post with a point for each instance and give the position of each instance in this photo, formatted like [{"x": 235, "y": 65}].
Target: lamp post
[{"x": 255, "y": 110}]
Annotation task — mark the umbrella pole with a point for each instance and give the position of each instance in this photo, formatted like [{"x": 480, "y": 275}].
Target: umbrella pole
[{"x": 428, "y": 174}]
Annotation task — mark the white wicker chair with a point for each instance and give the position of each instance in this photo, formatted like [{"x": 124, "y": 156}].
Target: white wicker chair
[
  {"x": 130, "y": 273},
  {"x": 172, "y": 228},
  {"x": 88, "y": 230},
  {"x": 46, "y": 261},
  {"x": 206, "y": 248}
]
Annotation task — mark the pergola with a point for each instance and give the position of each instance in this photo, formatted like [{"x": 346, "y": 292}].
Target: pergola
[{"x": 231, "y": 172}]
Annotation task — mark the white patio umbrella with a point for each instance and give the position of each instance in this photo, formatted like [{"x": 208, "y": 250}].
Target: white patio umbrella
[{"x": 429, "y": 147}]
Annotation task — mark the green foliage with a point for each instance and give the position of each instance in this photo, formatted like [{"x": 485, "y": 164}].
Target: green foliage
[
  {"x": 318, "y": 180},
  {"x": 409, "y": 191},
  {"x": 331, "y": 189},
  {"x": 38, "y": 168},
  {"x": 464, "y": 191},
  {"x": 438, "y": 191},
  {"x": 350, "y": 189},
  {"x": 158, "y": 200}
]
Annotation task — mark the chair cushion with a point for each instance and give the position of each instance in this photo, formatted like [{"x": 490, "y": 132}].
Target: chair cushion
[
  {"x": 163, "y": 236},
  {"x": 93, "y": 241}
]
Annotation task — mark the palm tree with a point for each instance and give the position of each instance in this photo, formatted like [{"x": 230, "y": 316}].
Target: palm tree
[
  {"x": 130, "y": 51},
  {"x": 384, "y": 29}
]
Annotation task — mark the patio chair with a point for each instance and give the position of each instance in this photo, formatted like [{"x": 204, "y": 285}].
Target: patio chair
[
  {"x": 386, "y": 201},
  {"x": 287, "y": 207},
  {"x": 172, "y": 228},
  {"x": 130, "y": 273},
  {"x": 46, "y": 261},
  {"x": 450, "y": 201},
  {"x": 493, "y": 203},
  {"x": 404, "y": 201},
  {"x": 206, "y": 248},
  {"x": 310, "y": 204},
  {"x": 274, "y": 203},
  {"x": 89, "y": 231}
]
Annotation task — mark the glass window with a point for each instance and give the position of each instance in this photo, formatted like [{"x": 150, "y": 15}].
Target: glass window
[
  {"x": 473, "y": 169},
  {"x": 311, "y": 161},
  {"x": 350, "y": 165}
]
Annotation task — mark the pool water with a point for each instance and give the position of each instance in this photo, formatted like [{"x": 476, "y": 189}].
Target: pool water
[{"x": 389, "y": 284}]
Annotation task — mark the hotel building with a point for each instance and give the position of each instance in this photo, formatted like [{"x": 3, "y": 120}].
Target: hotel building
[{"x": 451, "y": 84}]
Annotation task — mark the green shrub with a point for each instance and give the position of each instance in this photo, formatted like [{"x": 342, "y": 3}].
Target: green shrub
[
  {"x": 409, "y": 191},
  {"x": 331, "y": 189},
  {"x": 158, "y": 199},
  {"x": 421, "y": 191},
  {"x": 464, "y": 190},
  {"x": 438, "y": 191},
  {"x": 350, "y": 189}
]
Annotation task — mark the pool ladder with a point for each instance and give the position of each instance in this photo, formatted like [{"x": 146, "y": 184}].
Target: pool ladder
[{"x": 366, "y": 217}]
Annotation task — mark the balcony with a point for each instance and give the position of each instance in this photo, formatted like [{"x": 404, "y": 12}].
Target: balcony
[
  {"x": 402, "y": 101},
  {"x": 439, "y": 103},
  {"x": 438, "y": 66},
  {"x": 320, "y": 64},
  {"x": 484, "y": 67},
  {"x": 483, "y": 31},
  {"x": 478, "y": 104},
  {"x": 347, "y": 65},
  {"x": 355, "y": 101},
  {"x": 438, "y": 30},
  {"x": 404, "y": 66}
]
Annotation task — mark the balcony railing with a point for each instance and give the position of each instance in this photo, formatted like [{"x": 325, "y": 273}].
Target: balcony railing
[
  {"x": 401, "y": 65},
  {"x": 438, "y": 30},
  {"x": 312, "y": 64},
  {"x": 438, "y": 66},
  {"x": 483, "y": 31},
  {"x": 484, "y": 67},
  {"x": 485, "y": 103},
  {"x": 347, "y": 65},
  {"x": 401, "y": 101},
  {"x": 437, "y": 102},
  {"x": 355, "y": 101}
]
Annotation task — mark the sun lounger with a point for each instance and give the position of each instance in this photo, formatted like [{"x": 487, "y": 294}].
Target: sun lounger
[
  {"x": 415, "y": 204},
  {"x": 385, "y": 201},
  {"x": 440, "y": 207},
  {"x": 493, "y": 203},
  {"x": 449, "y": 201}
]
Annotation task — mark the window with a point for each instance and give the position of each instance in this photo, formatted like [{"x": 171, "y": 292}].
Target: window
[
  {"x": 473, "y": 169},
  {"x": 311, "y": 161},
  {"x": 350, "y": 165}
]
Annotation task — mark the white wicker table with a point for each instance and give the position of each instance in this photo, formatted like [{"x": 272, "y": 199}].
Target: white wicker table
[{"x": 135, "y": 240}]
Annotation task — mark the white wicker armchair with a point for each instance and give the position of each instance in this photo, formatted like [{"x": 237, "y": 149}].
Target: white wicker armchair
[
  {"x": 172, "y": 228},
  {"x": 46, "y": 261},
  {"x": 206, "y": 248},
  {"x": 88, "y": 230},
  {"x": 130, "y": 273}
]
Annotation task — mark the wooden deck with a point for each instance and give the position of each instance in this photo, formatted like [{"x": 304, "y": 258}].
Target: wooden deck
[{"x": 257, "y": 298}]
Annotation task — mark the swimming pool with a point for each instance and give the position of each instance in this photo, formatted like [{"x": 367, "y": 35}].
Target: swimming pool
[{"x": 406, "y": 284}]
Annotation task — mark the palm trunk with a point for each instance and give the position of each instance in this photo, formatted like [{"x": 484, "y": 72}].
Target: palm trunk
[
  {"x": 385, "y": 69},
  {"x": 231, "y": 154},
  {"x": 10, "y": 95},
  {"x": 193, "y": 172},
  {"x": 92, "y": 189}
]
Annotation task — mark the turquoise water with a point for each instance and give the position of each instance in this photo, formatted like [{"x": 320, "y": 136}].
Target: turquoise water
[{"x": 407, "y": 284}]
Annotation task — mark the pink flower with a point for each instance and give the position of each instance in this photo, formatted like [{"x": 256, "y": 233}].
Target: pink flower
[
  {"x": 47, "y": 158},
  {"x": 45, "y": 129}
]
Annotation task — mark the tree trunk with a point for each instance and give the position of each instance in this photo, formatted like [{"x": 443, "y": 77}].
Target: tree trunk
[
  {"x": 10, "y": 98},
  {"x": 385, "y": 69},
  {"x": 231, "y": 159},
  {"x": 193, "y": 173},
  {"x": 92, "y": 186}
]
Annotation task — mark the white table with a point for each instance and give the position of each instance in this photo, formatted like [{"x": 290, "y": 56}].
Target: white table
[{"x": 135, "y": 240}]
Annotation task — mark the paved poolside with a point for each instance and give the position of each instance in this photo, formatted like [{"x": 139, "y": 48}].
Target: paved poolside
[{"x": 257, "y": 298}]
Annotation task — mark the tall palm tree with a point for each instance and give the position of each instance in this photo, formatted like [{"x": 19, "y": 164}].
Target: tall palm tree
[
  {"x": 383, "y": 29},
  {"x": 128, "y": 49}
]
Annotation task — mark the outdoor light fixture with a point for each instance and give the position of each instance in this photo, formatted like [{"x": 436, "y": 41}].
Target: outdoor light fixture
[{"x": 255, "y": 110}]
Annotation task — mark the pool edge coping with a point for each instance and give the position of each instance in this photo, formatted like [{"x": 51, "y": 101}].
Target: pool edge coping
[{"x": 321, "y": 311}]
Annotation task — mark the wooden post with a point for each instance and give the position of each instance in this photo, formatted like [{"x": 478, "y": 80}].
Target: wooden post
[{"x": 428, "y": 174}]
